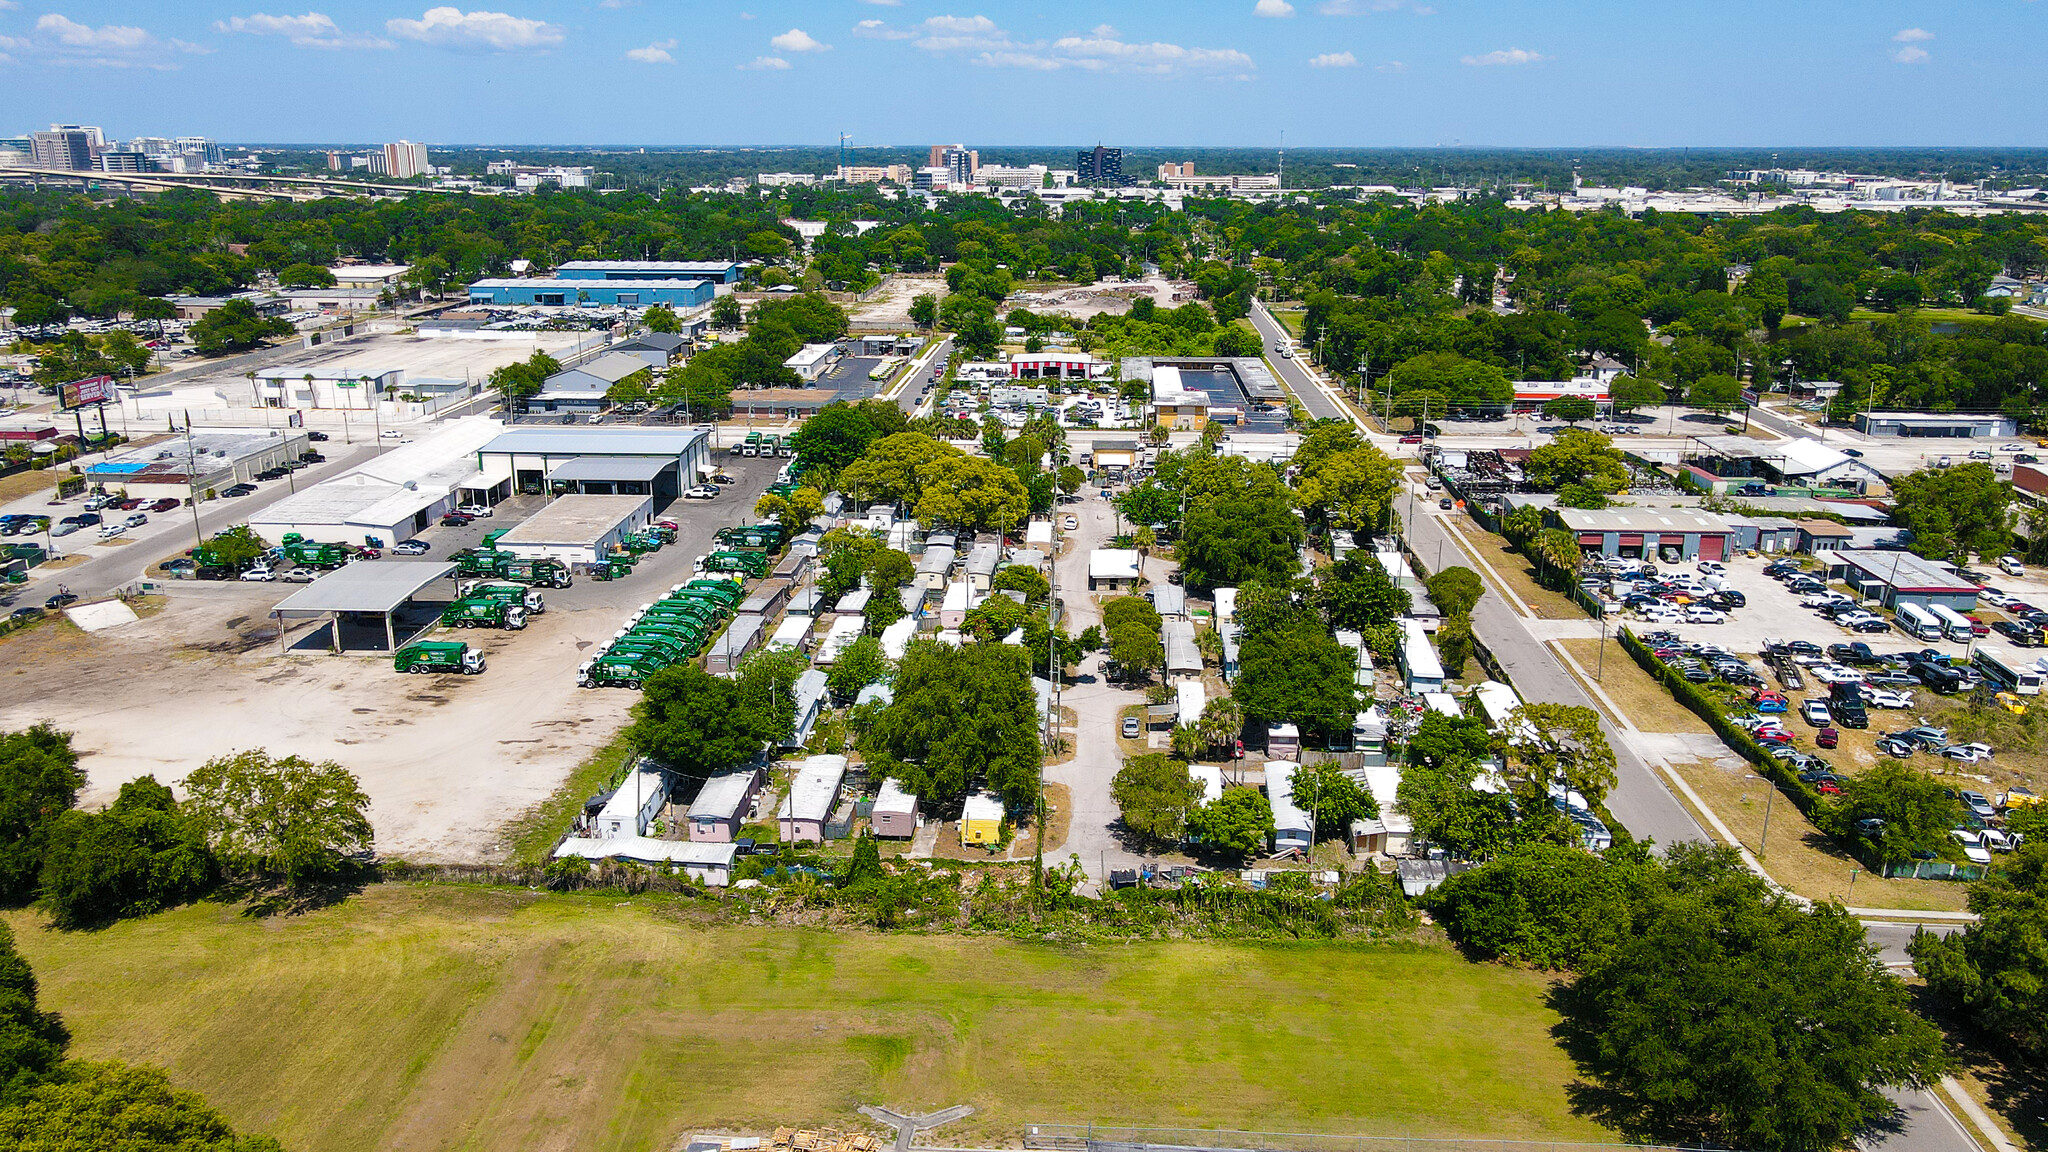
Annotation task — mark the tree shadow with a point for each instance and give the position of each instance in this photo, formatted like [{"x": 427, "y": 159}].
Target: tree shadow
[
  {"x": 2017, "y": 1089},
  {"x": 265, "y": 898}
]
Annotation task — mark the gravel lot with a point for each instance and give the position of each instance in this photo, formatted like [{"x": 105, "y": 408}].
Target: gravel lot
[{"x": 447, "y": 760}]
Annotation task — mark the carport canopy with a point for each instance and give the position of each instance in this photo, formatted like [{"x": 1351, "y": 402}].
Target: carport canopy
[
  {"x": 612, "y": 469},
  {"x": 365, "y": 586}
]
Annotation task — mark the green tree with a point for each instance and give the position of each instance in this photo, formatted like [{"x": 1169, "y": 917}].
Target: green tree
[
  {"x": 1356, "y": 593},
  {"x": 123, "y": 1107},
  {"x": 1629, "y": 394},
  {"x": 31, "y": 1040},
  {"x": 1133, "y": 610},
  {"x": 834, "y": 438},
  {"x": 1022, "y": 578},
  {"x": 924, "y": 310},
  {"x": 1715, "y": 393},
  {"x": 1331, "y": 798},
  {"x": 1156, "y": 795},
  {"x": 139, "y": 856},
  {"x": 1582, "y": 457},
  {"x": 235, "y": 327},
  {"x": 697, "y": 723},
  {"x": 866, "y": 866},
  {"x": 1996, "y": 970},
  {"x": 1728, "y": 1015},
  {"x": 727, "y": 313},
  {"x": 39, "y": 781},
  {"x": 305, "y": 276},
  {"x": 1916, "y": 808},
  {"x": 1454, "y": 378},
  {"x": 1544, "y": 905},
  {"x": 861, "y": 664},
  {"x": 1559, "y": 742},
  {"x": 892, "y": 468},
  {"x": 1955, "y": 511},
  {"x": 285, "y": 817},
  {"x": 1238, "y": 823},
  {"x": 1137, "y": 650},
  {"x": 518, "y": 382},
  {"x": 960, "y": 717},
  {"x": 1301, "y": 676},
  {"x": 1352, "y": 489},
  {"x": 971, "y": 492},
  {"x": 1454, "y": 644},
  {"x": 1238, "y": 340},
  {"x": 661, "y": 318},
  {"x": 1570, "y": 409},
  {"x": 1231, "y": 540},
  {"x": 1455, "y": 590}
]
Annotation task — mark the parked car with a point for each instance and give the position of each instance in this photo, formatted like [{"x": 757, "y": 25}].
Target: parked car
[
  {"x": 64, "y": 598},
  {"x": 300, "y": 576},
  {"x": 1070, "y": 524},
  {"x": 1827, "y": 738},
  {"x": 453, "y": 520},
  {"x": 20, "y": 615},
  {"x": 2021, "y": 635},
  {"x": 316, "y": 437},
  {"x": 164, "y": 505},
  {"x": 1701, "y": 614},
  {"x": 259, "y": 573},
  {"x": 1894, "y": 747},
  {"x": 701, "y": 492},
  {"x": 1768, "y": 701},
  {"x": 474, "y": 511},
  {"x": 412, "y": 548},
  {"x": 136, "y": 519},
  {"x": 1978, "y": 804},
  {"x": 1885, "y": 698},
  {"x": 110, "y": 531},
  {"x": 2011, "y": 566},
  {"x": 1816, "y": 713},
  {"x": 1412, "y": 439},
  {"x": 1966, "y": 753},
  {"x": 1973, "y": 848},
  {"x": 1130, "y": 728},
  {"x": 239, "y": 490}
]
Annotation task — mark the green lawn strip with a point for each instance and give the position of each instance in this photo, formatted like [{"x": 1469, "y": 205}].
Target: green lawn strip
[{"x": 446, "y": 1015}]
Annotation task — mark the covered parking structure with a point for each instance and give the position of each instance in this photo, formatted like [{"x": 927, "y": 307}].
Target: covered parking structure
[
  {"x": 378, "y": 588},
  {"x": 529, "y": 456},
  {"x": 614, "y": 476}
]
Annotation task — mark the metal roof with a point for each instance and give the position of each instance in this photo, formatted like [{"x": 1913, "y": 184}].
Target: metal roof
[
  {"x": 365, "y": 586},
  {"x": 722, "y": 795},
  {"x": 598, "y": 441},
  {"x": 575, "y": 520},
  {"x": 646, "y": 265},
  {"x": 1641, "y": 520},
  {"x": 592, "y": 285},
  {"x": 644, "y": 468},
  {"x": 1904, "y": 571},
  {"x": 814, "y": 789}
]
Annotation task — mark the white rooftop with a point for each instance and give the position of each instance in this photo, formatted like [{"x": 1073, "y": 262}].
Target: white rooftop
[
  {"x": 815, "y": 787},
  {"x": 1113, "y": 564},
  {"x": 722, "y": 795}
]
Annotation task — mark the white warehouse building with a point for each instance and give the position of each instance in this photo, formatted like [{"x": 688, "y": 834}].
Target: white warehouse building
[{"x": 393, "y": 496}]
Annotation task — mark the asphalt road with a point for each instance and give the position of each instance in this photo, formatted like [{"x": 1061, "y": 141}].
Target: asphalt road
[
  {"x": 912, "y": 395},
  {"x": 1640, "y": 801}
]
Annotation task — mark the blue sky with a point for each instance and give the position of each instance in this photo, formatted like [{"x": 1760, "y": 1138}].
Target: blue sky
[{"x": 1139, "y": 72}]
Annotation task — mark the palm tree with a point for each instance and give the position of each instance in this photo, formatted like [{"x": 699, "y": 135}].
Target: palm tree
[{"x": 1145, "y": 539}]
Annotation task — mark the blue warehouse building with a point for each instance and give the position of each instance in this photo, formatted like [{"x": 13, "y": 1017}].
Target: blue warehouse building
[
  {"x": 565, "y": 291},
  {"x": 716, "y": 271}
]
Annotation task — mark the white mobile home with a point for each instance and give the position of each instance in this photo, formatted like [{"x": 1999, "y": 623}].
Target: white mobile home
[
  {"x": 1419, "y": 664},
  {"x": 1290, "y": 824}
]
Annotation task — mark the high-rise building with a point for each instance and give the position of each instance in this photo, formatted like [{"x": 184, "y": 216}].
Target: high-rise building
[
  {"x": 405, "y": 159},
  {"x": 126, "y": 161},
  {"x": 961, "y": 163},
  {"x": 67, "y": 149},
  {"x": 1169, "y": 170},
  {"x": 97, "y": 138},
  {"x": 1100, "y": 165}
]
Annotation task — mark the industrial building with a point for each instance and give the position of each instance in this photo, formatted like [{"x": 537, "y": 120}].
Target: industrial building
[
  {"x": 1936, "y": 425},
  {"x": 716, "y": 271},
  {"x": 793, "y": 405},
  {"x": 1721, "y": 463},
  {"x": 660, "y": 462},
  {"x": 556, "y": 292},
  {"x": 584, "y": 387},
  {"x": 1899, "y": 578},
  {"x": 812, "y": 361},
  {"x": 393, "y": 495},
  {"x": 1648, "y": 533},
  {"x": 578, "y": 529},
  {"x": 198, "y": 465}
]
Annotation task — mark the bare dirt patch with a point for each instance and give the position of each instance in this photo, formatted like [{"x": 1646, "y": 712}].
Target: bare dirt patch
[{"x": 447, "y": 760}]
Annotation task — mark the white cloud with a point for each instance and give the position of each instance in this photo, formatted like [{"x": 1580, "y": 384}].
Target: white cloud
[
  {"x": 1333, "y": 60},
  {"x": 1103, "y": 49},
  {"x": 884, "y": 3},
  {"x": 1913, "y": 35},
  {"x": 1504, "y": 56},
  {"x": 655, "y": 53},
  {"x": 312, "y": 30},
  {"x": 106, "y": 38},
  {"x": 798, "y": 40},
  {"x": 451, "y": 27},
  {"x": 618, "y": 4},
  {"x": 1910, "y": 55},
  {"x": 876, "y": 30},
  {"x": 766, "y": 64},
  {"x": 1273, "y": 9},
  {"x": 1390, "y": 66}
]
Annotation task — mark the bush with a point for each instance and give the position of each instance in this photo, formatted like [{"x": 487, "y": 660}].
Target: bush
[{"x": 1540, "y": 904}]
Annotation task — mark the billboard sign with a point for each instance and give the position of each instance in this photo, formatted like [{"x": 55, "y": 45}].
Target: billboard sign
[
  {"x": 91, "y": 390},
  {"x": 1749, "y": 396}
]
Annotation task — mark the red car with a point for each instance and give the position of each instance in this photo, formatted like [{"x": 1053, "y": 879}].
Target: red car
[
  {"x": 129, "y": 505},
  {"x": 1411, "y": 439},
  {"x": 164, "y": 505},
  {"x": 1977, "y": 627},
  {"x": 1828, "y": 788},
  {"x": 1827, "y": 738}
]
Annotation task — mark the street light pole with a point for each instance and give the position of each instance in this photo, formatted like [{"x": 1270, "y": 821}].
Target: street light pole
[{"x": 1770, "y": 798}]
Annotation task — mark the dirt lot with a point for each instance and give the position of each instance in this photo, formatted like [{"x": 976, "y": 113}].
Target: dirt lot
[
  {"x": 890, "y": 308},
  {"x": 447, "y": 760}
]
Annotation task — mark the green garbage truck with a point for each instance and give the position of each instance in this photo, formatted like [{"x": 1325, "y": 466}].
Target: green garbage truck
[
  {"x": 725, "y": 592},
  {"x": 481, "y": 562},
  {"x": 483, "y": 612},
  {"x": 312, "y": 553},
  {"x": 438, "y": 656},
  {"x": 552, "y": 573},
  {"x": 752, "y": 564},
  {"x": 527, "y": 598},
  {"x": 624, "y": 670},
  {"x": 642, "y": 542},
  {"x": 613, "y": 568}
]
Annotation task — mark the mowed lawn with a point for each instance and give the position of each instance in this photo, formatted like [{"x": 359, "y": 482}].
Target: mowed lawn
[{"x": 418, "y": 1017}]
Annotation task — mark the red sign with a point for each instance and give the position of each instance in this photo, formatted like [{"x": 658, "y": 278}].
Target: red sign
[{"x": 91, "y": 390}]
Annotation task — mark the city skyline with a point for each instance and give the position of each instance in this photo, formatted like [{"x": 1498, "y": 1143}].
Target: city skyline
[{"x": 1328, "y": 73}]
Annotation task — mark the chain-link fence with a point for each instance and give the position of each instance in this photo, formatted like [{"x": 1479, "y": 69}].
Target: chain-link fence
[{"x": 1112, "y": 1138}]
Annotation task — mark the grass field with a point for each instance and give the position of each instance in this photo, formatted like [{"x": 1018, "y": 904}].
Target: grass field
[
  {"x": 446, "y": 1017},
  {"x": 1516, "y": 571}
]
